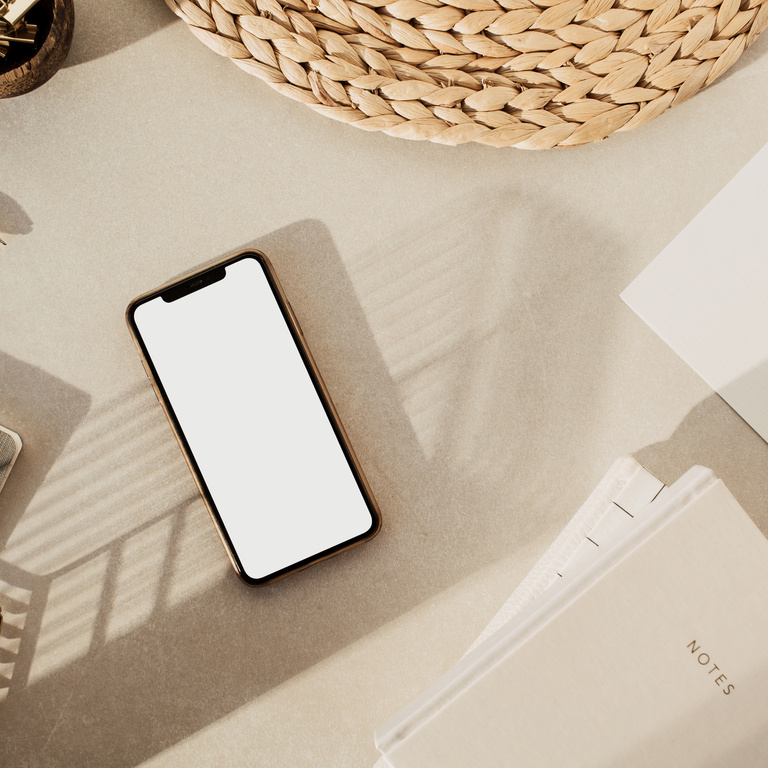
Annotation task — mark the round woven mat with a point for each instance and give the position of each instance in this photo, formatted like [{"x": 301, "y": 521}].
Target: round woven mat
[{"x": 526, "y": 73}]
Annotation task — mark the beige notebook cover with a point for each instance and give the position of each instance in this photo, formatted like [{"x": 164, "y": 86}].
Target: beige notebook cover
[{"x": 654, "y": 656}]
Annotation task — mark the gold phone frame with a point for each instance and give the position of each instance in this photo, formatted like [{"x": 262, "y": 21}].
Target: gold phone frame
[{"x": 322, "y": 393}]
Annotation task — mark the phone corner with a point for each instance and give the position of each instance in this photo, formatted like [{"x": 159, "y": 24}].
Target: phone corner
[
  {"x": 376, "y": 524},
  {"x": 128, "y": 315},
  {"x": 130, "y": 312}
]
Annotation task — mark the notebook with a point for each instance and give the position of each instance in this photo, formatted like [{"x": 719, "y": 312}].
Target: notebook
[{"x": 637, "y": 641}]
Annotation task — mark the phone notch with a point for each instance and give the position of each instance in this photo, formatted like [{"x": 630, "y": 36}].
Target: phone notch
[{"x": 194, "y": 284}]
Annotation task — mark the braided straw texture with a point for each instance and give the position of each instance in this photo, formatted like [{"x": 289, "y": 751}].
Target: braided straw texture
[{"x": 533, "y": 74}]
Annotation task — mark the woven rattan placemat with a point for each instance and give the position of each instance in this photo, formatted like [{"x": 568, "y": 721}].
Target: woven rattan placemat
[{"x": 533, "y": 74}]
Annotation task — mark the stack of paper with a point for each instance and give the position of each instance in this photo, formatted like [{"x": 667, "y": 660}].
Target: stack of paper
[{"x": 638, "y": 640}]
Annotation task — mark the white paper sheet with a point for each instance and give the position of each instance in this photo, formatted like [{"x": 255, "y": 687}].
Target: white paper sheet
[{"x": 706, "y": 294}]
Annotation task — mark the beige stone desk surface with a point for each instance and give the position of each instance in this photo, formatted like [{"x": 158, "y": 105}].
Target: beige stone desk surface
[{"x": 463, "y": 305}]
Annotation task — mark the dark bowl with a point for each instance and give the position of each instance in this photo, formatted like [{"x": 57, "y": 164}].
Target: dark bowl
[{"x": 27, "y": 67}]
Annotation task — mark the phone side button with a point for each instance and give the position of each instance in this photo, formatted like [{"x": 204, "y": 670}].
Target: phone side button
[
  {"x": 151, "y": 380},
  {"x": 149, "y": 375}
]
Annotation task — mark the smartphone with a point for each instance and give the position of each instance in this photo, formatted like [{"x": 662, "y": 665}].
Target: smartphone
[{"x": 230, "y": 366}]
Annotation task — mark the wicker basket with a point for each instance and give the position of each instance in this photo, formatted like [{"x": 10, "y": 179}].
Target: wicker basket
[{"x": 524, "y": 73}]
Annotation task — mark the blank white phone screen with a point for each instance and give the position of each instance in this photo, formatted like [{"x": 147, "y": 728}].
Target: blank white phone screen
[{"x": 253, "y": 420}]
